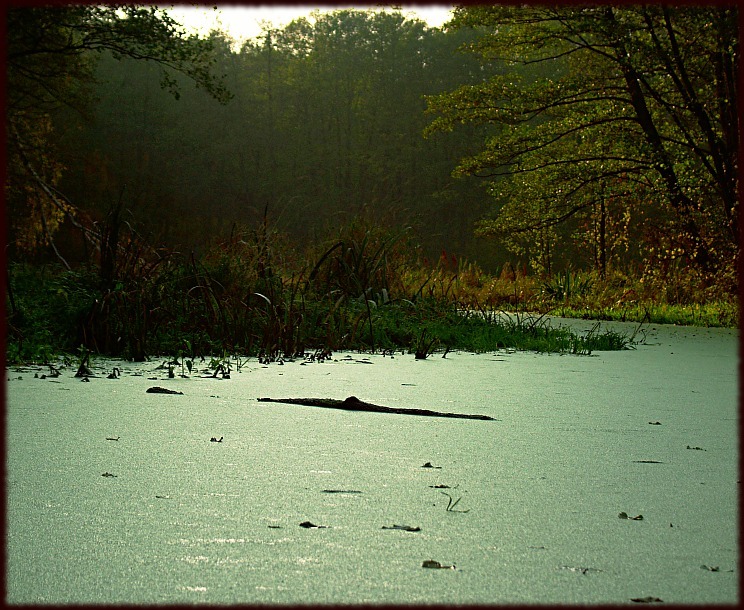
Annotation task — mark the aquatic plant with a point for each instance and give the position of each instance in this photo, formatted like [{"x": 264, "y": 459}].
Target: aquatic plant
[
  {"x": 451, "y": 504},
  {"x": 566, "y": 285},
  {"x": 424, "y": 345}
]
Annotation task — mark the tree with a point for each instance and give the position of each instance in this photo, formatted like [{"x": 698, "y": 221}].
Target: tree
[
  {"x": 325, "y": 123},
  {"x": 50, "y": 60},
  {"x": 635, "y": 105},
  {"x": 347, "y": 97}
]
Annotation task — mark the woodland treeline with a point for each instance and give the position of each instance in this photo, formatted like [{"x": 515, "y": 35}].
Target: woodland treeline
[
  {"x": 319, "y": 123},
  {"x": 589, "y": 137},
  {"x": 346, "y": 154}
]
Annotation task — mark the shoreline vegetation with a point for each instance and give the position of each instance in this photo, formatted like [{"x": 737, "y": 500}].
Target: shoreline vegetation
[
  {"x": 602, "y": 182},
  {"x": 365, "y": 290}
]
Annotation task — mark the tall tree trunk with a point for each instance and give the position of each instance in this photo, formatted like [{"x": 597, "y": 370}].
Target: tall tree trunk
[
  {"x": 602, "y": 238},
  {"x": 696, "y": 249}
]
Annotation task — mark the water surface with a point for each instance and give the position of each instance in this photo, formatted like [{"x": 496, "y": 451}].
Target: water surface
[{"x": 575, "y": 443}]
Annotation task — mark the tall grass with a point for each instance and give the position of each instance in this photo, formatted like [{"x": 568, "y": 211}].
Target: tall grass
[{"x": 362, "y": 289}]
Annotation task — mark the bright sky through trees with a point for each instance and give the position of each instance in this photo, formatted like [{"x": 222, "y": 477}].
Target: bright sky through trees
[{"x": 242, "y": 22}]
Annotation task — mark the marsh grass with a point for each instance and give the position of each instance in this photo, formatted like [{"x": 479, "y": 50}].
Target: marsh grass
[
  {"x": 716, "y": 314},
  {"x": 255, "y": 295},
  {"x": 679, "y": 296},
  {"x": 567, "y": 285}
]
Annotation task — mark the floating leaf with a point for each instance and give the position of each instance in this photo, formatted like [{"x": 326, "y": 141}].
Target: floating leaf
[
  {"x": 308, "y": 524},
  {"x": 430, "y": 563}
]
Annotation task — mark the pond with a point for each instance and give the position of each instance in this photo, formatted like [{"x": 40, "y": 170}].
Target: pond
[{"x": 600, "y": 479}]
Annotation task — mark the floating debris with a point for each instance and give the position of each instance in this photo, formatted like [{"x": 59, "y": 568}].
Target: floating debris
[
  {"x": 646, "y": 600},
  {"x": 624, "y": 515},
  {"x": 647, "y": 462},
  {"x": 158, "y": 390},
  {"x": 113, "y": 438},
  {"x": 439, "y": 486},
  {"x": 405, "y": 528},
  {"x": 452, "y": 503},
  {"x": 428, "y": 465},
  {"x": 655, "y": 423},
  {"x": 215, "y": 440},
  {"x": 711, "y": 568},
  {"x": 163, "y": 497},
  {"x": 341, "y": 491},
  {"x": 83, "y": 370},
  {"x": 430, "y": 563},
  {"x": 579, "y": 569},
  {"x": 696, "y": 448},
  {"x": 309, "y": 524},
  {"x": 108, "y": 474}
]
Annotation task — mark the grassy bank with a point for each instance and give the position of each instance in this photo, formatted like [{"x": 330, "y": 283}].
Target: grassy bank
[
  {"x": 58, "y": 312},
  {"x": 679, "y": 297},
  {"x": 255, "y": 296}
]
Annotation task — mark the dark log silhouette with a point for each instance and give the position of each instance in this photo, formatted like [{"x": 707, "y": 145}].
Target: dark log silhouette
[{"x": 352, "y": 403}]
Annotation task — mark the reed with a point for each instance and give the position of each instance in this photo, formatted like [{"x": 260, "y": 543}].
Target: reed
[{"x": 256, "y": 295}]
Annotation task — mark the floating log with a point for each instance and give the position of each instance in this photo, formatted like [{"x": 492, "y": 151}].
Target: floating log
[
  {"x": 352, "y": 403},
  {"x": 158, "y": 390}
]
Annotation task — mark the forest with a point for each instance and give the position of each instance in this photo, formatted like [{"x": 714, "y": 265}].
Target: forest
[{"x": 358, "y": 180}]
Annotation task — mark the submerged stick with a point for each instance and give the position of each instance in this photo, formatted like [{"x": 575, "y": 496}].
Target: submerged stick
[{"x": 352, "y": 403}]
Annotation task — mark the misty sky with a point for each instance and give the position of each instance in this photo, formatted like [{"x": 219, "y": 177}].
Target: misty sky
[{"x": 244, "y": 21}]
